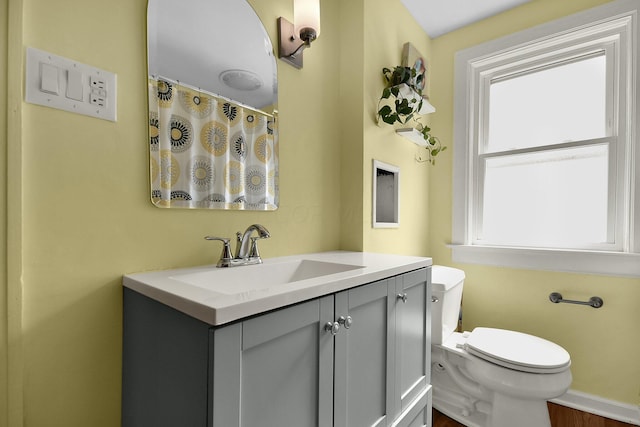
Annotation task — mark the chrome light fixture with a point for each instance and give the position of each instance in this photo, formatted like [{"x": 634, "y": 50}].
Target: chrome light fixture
[{"x": 293, "y": 38}]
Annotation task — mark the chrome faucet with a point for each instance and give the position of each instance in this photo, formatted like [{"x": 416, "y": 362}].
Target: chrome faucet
[{"x": 246, "y": 247}]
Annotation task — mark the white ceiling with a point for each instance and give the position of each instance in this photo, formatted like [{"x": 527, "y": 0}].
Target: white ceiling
[{"x": 438, "y": 17}]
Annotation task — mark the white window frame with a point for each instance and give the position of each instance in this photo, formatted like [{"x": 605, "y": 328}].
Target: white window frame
[{"x": 612, "y": 28}]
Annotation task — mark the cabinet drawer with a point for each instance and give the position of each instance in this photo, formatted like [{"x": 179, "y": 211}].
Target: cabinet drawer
[{"x": 418, "y": 414}]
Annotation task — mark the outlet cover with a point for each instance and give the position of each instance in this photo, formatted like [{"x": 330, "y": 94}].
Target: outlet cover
[{"x": 57, "y": 82}]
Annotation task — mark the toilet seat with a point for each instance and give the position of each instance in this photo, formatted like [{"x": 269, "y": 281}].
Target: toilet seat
[{"x": 517, "y": 351}]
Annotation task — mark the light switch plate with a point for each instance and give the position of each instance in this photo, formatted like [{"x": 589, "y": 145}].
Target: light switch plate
[{"x": 74, "y": 89}]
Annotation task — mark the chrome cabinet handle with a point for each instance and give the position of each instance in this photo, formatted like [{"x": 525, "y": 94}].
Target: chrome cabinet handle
[
  {"x": 403, "y": 297},
  {"x": 332, "y": 327},
  {"x": 434, "y": 299},
  {"x": 345, "y": 321}
]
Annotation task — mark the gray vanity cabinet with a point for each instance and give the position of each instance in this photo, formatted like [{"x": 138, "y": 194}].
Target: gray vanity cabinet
[{"x": 284, "y": 368}]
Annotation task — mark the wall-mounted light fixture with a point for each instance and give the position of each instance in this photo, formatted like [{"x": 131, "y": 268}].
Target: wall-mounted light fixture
[{"x": 293, "y": 38}]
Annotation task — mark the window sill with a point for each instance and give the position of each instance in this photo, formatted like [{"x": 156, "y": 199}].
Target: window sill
[{"x": 584, "y": 262}]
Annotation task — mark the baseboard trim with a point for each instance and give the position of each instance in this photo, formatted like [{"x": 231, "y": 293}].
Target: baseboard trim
[{"x": 593, "y": 404}]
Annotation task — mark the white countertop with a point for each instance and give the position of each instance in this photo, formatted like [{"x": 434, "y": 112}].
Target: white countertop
[{"x": 220, "y": 295}]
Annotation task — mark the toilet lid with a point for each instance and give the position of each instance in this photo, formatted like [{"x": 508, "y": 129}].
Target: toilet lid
[{"x": 518, "y": 351}]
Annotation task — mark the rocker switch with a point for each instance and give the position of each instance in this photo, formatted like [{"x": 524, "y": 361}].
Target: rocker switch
[
  {"x": 74, "y": 85},
  {"x": 49, "y": 78}
]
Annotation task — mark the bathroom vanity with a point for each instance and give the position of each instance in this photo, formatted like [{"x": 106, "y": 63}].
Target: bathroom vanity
[{"x": 329, "y": 339}]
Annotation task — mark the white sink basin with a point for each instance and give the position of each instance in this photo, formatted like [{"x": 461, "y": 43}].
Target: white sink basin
[
  {"x": 235, "y": 280},
  {"x": 218, "y": 296}
]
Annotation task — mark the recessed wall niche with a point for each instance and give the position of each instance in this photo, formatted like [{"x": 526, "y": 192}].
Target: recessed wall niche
[{"x": 386, "y": 183}]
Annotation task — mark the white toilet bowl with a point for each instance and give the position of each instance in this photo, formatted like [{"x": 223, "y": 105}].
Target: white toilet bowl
[{"x": 491, "y": 377}]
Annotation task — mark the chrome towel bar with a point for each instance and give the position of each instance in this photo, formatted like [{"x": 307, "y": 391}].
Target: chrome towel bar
[{"x": 595, "y": 302}]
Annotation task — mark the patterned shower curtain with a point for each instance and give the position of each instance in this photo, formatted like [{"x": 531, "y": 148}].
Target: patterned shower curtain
[{"x": 207, "y": 152}]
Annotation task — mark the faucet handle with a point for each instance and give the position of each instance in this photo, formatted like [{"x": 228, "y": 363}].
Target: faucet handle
[
  {"x": 238, "y": 244},
  {"x": 225, "y": 256},
  {"x": 253, "y": 252},
  {"x": 263, "y": 233}
]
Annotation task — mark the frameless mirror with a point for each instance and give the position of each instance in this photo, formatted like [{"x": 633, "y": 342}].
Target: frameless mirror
[{"x": 212, "y": 106}]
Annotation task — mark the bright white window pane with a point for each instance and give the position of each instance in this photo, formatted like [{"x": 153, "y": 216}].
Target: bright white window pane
[
  {"x": 554, "y": 105},
  {"x": 555, "y": 198}
]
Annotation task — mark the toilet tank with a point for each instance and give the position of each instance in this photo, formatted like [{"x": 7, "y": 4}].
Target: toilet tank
[{"x": 446, "y": 287}]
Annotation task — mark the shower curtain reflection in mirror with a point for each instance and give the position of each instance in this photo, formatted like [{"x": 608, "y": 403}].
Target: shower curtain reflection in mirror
[{"x": 208, "y": 152}]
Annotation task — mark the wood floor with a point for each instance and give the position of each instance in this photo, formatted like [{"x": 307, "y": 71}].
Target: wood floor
[
  {"x": 561, "y": 416},
  {"x": 440, "y": 420}
]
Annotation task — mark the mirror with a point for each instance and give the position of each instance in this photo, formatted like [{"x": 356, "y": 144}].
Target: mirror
[
  {"x": 212, "y": 106},
  {"x": 386, "y": 189}
]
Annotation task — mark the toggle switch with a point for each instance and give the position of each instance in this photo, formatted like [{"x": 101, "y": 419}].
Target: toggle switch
[{"x": 49, "y": 78}]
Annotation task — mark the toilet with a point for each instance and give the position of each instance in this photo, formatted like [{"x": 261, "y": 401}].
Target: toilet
[{"x": 490, "y": 377}]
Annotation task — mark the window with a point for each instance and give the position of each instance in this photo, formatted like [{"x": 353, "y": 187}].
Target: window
[{"x": 546, "y": 159}]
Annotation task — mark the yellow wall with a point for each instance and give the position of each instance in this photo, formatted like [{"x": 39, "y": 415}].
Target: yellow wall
[
  {"x": 87, "y": 218},
  {"x": 351, "y": 88},
  {"x": 4, "y": 347},
  {"x": 79, "y": 215},
  {"x": 82, "y": 215},
  {"x": 10, "y": 126},
  {"x": 603, "y": 343},
  {"x": 384, "y": 49}
]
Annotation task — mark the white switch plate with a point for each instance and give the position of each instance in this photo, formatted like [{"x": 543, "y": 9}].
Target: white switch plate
[{"x": 91, "y": 92}]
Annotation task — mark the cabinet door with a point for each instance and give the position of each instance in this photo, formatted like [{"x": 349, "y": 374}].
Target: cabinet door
[
  {"x": 413, "y": 336},
  {"x": 364, "y": 356},
  {"x": 275, "y": 370}
]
